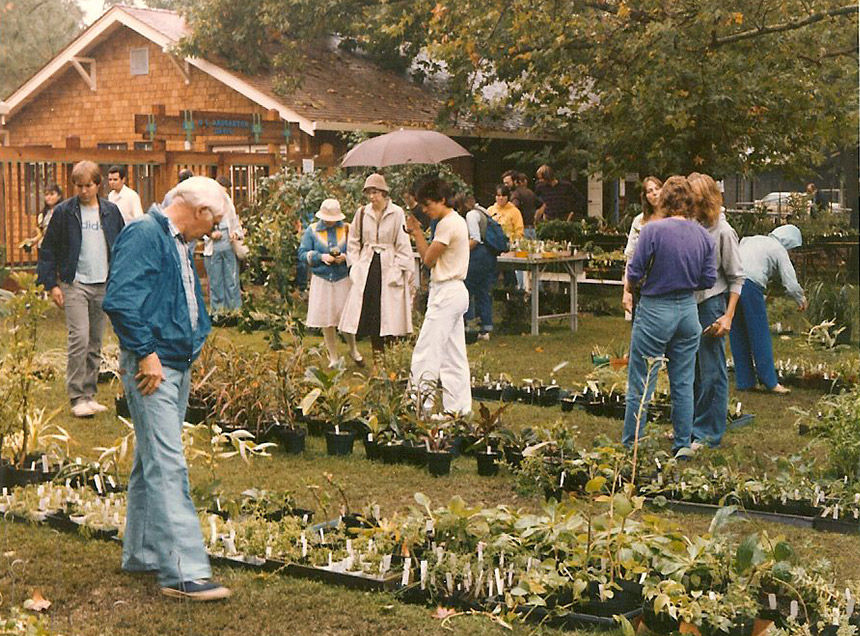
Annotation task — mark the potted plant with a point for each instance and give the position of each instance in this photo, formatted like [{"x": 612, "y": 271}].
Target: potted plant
[
  {"x": 486, "y": 429},
  {"x": 287, "y": 375},
  {"x": 20, "y": 375},
  {"x": 437, "y": 445},
  {"x": 336, "y": 403}
]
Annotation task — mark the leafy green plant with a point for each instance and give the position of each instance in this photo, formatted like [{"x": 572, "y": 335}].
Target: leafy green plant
[{"x": 331, "y": 396}]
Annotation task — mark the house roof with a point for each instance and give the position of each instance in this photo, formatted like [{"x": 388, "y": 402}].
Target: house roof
[{"x": 339, "y": 91}]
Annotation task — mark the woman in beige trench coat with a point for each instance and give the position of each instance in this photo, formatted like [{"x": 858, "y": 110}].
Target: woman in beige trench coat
[{"x": 381, "y": 264}]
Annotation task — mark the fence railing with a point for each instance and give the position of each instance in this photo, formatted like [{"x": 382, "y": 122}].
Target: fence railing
[{"x": 25, "y": 172}]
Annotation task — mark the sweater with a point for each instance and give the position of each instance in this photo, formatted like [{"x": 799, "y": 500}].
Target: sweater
[
  {"x": 674, "y": 255},
  {"x": 730, "y": 271},
  {"x": 764, "y": 256}
]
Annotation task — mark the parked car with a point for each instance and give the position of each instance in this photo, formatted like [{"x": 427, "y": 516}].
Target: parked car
[{"x": 783, "y": 202}]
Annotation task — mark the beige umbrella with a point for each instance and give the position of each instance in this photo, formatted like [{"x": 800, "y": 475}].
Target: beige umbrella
[{"x": 404, "y": 146}]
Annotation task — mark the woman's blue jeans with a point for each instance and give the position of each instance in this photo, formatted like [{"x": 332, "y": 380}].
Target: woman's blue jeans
[
  {"x": 712, "y": 378},
  {"x": 479, "y": 282},
  {"x": 750, "y": 340},
  {"x": 162, "y": 529},
  {"x": 222, "y": 269},
  {"x": 665, "y": 326}
]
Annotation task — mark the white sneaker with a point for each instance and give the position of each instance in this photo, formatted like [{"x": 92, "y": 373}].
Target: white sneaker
[
  {"x": 484, "y": 335},
  {"x": 83, "y": 409},
  {"x": 96, "y": 407}
]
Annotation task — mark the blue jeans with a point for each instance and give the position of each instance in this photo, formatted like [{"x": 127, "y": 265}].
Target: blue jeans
[
  {"x": 479, "y": 282},
  {"x": 530, "y": 232},
  {"x": 664, "y": 326},
  {"x": 162, "y": 529},
  {"x": 222, "y": 269},
  {"x": 712, "y": 379},
  {"x": 750, "y": 340}
]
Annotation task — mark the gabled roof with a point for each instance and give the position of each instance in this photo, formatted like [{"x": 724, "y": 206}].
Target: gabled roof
[{"x": 339, "y": 91}]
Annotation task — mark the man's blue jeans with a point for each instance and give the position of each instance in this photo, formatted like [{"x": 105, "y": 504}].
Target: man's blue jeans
[
  {"x": 750, "y": 340},
  {"x": 664, "y": 326},
  {"x": 223, "y": 271},
  {"x": 162, "y": 529},
  {"x": 479, "y": 282},
  {"x": 712, "y": 379}
]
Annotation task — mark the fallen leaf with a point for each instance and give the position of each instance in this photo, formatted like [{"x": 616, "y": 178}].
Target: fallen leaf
[
  {"x": 539, "y": 349},
  {"x": 9, "y": 554},
  {"x": 37, "y": 603},
  {"x": 443, "y": 612}
]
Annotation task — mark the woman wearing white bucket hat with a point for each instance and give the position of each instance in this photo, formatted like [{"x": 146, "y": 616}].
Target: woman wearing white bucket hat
[
  {"x": 380, "y": 257},
  {"x": 323, "y": 246}
]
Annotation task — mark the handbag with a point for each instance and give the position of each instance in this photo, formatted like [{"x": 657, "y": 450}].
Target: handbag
[{"x": 240, "y": 249}]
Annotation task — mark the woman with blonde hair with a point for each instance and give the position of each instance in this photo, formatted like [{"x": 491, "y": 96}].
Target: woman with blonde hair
[
  {"x": 379, "y": 254},
  {"x": 716, "y": 307},
  {"x": 650, "y": 196},
  {"x": 674, "y": 258}
]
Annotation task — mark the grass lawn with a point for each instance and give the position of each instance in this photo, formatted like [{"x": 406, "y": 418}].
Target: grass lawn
[{"x": 91, "y": 595}]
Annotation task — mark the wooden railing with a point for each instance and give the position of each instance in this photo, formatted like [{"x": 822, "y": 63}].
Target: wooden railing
[{"x": 26, "y": 171}]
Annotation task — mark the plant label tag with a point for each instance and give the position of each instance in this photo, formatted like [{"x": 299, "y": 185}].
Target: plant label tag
[
  {"x": 218, "y": 504},
  {"x": 111, "y": 481},
  {"x": 792, "y": 612},
  {"x": 386, "y": 563},
  {"x": 423, "y": 573},
  {"x": 771, "y": 601},
  {"x": 528, "y": 564},
  {"x": 33, "y": 466},
  {"x": 738, "y": 409},
  {"x": 643, "y": 578},
  {"x": 97, "y": 479},
  {"x": 480, "y": 551},
  {"x": 376, "y": 513},
  {"x": 349, "y": 546},
  {"x": 489, "y": 587},
  {"x": 561, "y": 479},
  {"x": 449, "y": 583},
  {"x": 329, "y": 559},
  {"x": 44, "y": 463},
  {"x": 78, "y": 461},
  {"x": 428, "y": 526},
  {"x": 849, "y": 607},
  {"x": 305, "y": 518},
  {"x": 213, "y": 530},
  {"x": 229, "y": 545},
  {"x": 370, "y": 437},
  {"x": 322, "y": 536},
  {"x": 489, "y": 450},
  {"x": 407, "y": 564},
  {"x": 836, "y": 616},
  {"x": 502, "y": 560},
  {"x": 836, "y": 511},
  {"x": 500, "y": 584},
  {"x": 337, "y": 429},
  {"x": 304, "y": 546},
  {"x": 268, "y": 552}
]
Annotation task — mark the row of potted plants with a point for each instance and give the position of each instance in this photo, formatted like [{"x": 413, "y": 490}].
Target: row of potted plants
[{"x": 564, "y": 564}]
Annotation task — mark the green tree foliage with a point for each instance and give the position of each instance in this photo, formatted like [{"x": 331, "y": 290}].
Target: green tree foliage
[
  {"x": 656, "y": 86},
  {"x": 31, "y": 33}
]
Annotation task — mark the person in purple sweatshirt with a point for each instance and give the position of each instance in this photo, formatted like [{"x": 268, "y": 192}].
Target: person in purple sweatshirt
[{"x": 673, "y": 258}]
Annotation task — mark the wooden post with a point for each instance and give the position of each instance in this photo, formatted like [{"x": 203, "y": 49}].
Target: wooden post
[{"x": 73, "y": 142}]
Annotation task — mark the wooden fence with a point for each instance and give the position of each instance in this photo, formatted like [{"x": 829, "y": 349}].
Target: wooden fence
[{"x": 25, "y": 172}]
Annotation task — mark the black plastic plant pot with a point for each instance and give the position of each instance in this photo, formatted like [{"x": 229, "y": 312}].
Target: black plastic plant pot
[
  {"x": 105, "y": 377},
  {"x": 514, "y": 456},
  {"x": 390, "y": 452},
  {"x": 414, "y": 453},
  {"x": 121, "y": 405},
  {"x": 567, "y": 404},
  {"x": 292, "y": 439},
  {"x": 488, "y": 463},
  {"x": 196, "y": 411},
  {"x": 371, "y": 449},
  {"x": 27, "y": 476},
  {"x": 660, "y": 623},
  {"x": 339, "y": 443},
  {"x": 439, "y": 463},
  {"x": 511, "y": 394}
]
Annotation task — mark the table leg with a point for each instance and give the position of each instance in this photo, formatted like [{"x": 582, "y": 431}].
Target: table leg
[
  {"x": 535, "y": 300},
  {"x": 574, "y": 272}
]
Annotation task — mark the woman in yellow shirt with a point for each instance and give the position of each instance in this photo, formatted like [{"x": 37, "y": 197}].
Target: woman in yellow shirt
[{"x": 511, "y": 219}]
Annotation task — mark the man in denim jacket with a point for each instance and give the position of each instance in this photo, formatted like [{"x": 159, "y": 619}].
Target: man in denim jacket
[
  {"x": 74, "y": 259},
  {"x": 156, "y": 306}
]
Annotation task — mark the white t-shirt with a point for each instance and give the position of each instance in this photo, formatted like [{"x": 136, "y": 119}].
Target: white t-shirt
[
  {"x": 454, "y": 261},
  {"x": 93, "y": 259}
]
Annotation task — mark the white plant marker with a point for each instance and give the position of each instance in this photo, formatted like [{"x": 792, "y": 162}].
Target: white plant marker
[
  {"x": 423, "y": 573},
  {"x": 407, "y": 566},
  {"x": 304, "y": 546},
  {"x": 500, "y": 584},
  {"x": 771, "y": 601},
  {"x": 213, "y": 531},
  {"x": 449, "y": 583},
  {"x": 792, "y": 613}
]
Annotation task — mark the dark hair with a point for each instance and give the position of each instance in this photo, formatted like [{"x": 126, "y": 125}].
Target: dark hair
[
  {"x": 52, "y": 187},
  {"x": 224, "y": 181},
  {"x": 435, "y": 189},
  {"x": 676, "y": 197},
  {"x": 184, "y": 174},
  {"x": 510, "y": 173},
  {"x": 504, "y": 190},
  {"x": 411, "y": 190},
  {"x": 459, "y": 203},
  {"x": 520, "y": 178},
  {"x": 647, "y": 209},
  {"x": 119, "y": 170}
]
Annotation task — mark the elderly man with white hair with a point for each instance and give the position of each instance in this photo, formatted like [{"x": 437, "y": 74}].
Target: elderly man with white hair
[{"x": 156, "y": 307}]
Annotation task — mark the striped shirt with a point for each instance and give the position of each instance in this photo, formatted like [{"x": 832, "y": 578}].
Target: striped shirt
[{"x": 187, "y": 270}]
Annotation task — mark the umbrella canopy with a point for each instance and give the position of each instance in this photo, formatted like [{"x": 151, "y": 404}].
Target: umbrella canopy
[{"x": 404, "y": 146}]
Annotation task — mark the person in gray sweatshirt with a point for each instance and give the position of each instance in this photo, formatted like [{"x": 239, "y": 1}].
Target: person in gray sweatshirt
[
  {"x": 752, "y": 350},
  {"x": 716, "y": 307}
]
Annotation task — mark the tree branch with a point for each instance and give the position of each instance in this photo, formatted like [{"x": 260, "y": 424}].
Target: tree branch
[{"x": 786, "y": 26}]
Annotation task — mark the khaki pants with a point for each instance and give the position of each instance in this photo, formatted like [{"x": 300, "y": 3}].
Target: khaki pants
[{"x": 85, "y": 324}]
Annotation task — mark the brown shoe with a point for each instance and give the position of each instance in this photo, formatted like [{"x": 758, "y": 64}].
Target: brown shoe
[
  {"x": 201, "y": 590},
  {"x": 780, "y": 390}
]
